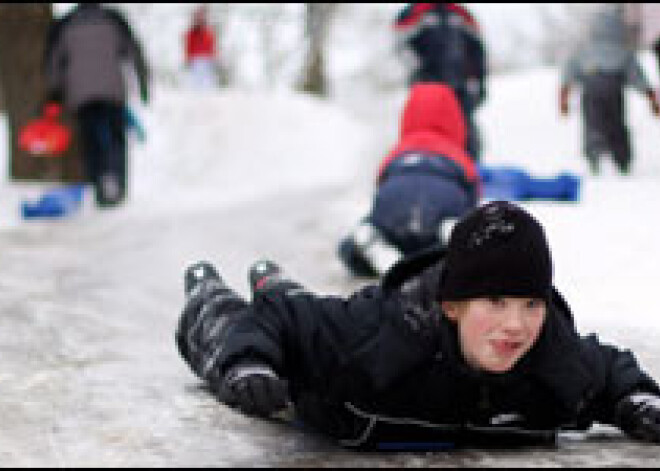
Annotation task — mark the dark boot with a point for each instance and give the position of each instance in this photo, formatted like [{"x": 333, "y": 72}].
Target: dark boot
[
  {"x": 210, "y": 305},
  {"x": 266, "y": 275},
  {"x": 198, "y": 272}
]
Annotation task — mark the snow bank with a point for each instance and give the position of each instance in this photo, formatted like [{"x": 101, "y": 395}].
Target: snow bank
[{"x": 228, "y": 146}]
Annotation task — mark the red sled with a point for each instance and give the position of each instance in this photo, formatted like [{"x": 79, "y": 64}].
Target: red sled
[{"x": 45, "y": 136}]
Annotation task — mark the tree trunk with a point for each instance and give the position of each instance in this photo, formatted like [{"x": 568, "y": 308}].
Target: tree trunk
[
  {"x": 317, "y": 22},
  {"x": 23, "y": 29}
]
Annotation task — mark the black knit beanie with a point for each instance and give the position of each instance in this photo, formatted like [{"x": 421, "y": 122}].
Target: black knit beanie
[{"x": 497, "y": 250}]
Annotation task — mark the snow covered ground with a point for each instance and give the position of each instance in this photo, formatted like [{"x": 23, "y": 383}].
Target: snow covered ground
[{"x": 88, "y": 371}]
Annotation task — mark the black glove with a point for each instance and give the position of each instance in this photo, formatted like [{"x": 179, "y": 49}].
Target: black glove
[
  {"x": 144, "y": 93},
  {"x": 255, "y": 389},
  {"x": 639, "y": 416}
]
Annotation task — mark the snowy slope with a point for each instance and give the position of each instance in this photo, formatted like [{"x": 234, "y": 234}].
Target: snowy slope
[
  {"x": 89, "y": 304},
  {"x": 229, "y": 147},
  {"x": 217, "y": 148}
]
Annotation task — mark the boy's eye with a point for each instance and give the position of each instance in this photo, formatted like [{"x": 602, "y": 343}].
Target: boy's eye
[{"x": 534, "y": 303}]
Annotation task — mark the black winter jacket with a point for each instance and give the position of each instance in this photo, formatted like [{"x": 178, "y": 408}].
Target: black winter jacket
[
  {"x": 384, "y": 366},
  {"x": 445, "y": 38}
]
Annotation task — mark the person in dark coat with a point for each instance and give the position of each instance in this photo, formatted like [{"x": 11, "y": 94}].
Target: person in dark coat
[
  {"x": 427, "y": 181},
  {"x": 84, "y": 59},
  {"x": 468, "y": 346},
  {"x": 445, "y": 43}
]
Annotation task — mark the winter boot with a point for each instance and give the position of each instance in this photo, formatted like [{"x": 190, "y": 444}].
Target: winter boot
[
  {"x": 375, "y": 249},
  {"x": 202, "y": 328},
  {"x": 594, "y": 161},
  {"x": 445, "y": 229},
  {"x": 109, "y": 191},
  {"x": 353, "y": 260},
  {"x": 198, "y": 272},
  {"x": 265, "y": 275}
]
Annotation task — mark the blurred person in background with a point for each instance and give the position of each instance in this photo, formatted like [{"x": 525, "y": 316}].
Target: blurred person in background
[
  {"x": 84, "y": 59},
  {"x": 424, "y": 185},
  {"x": 200, "y": 51},
  {"x": 442, "y": 42},
  {"x": 602, "y": 65}
]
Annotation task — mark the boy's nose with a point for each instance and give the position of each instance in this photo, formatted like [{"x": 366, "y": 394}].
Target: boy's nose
[{"x": 514, "y": 322}]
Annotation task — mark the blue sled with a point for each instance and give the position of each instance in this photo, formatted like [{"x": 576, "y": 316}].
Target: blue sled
[
  {"x": 54, "y": 203},
  {"x": 510, "y": 183}
]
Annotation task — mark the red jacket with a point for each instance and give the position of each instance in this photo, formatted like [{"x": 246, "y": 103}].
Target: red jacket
[
  {"x": 433, "y": 122},
  {"x": 200, "y": 42}
]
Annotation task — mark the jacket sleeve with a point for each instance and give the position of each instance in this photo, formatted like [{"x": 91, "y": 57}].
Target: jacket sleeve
[
  {"x": 54, "y": 62},
  {"x": 134, "y": 52},
  {"x": 477, "y": 60},
  {"x": 345, "y": 348},
  {"x": 635, "y": 76},
  {"x": 572, "y": 72},
  {"x": 618, "y": 374}
]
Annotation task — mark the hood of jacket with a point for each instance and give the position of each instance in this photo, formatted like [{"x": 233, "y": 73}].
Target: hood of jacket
[
  {"x": 433, "y": 108},
  {"x": 433, "y": 122}
]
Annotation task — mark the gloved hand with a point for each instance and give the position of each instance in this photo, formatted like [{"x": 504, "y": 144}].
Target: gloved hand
[
  {"x": 144, "y": 94},
  {"x": 255, "y": 389},
  {"x": 638, "y": 415}
]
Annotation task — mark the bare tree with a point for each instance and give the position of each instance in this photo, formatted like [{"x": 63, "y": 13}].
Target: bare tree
[
  {"x": 218, "y": 17},
  {"x": 23, "y": 30},
  {"x": 317, "y": 21},
  {"x": 2, "y": 100}
]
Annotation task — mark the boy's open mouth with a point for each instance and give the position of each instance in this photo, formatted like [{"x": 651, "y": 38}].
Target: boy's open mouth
[{"x": 506, "y": 347}]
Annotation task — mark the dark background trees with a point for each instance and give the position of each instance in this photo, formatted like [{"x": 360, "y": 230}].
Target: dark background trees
[{"x": 23, "y": 29}]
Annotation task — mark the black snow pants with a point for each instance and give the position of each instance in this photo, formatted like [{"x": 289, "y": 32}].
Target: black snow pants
[
  {"x": 603, "y": 114},
  {"x": 102, "y": 127}
]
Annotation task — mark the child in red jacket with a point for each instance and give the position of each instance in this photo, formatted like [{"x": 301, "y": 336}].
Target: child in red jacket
[
  {"x": 426, "y": 181},
  {"x": 201, "y": 51}
]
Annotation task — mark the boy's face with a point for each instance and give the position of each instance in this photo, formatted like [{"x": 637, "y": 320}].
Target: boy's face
[{"x": 496, "y": 332}]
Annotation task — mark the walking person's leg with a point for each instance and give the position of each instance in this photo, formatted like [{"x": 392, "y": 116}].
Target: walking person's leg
[
  {"x": 619, "y": 133},
  {"x": 594, "y": 120},
  {"x": 90, "y": 123},
  {"x": 117, "y": 156},
  {"x": 112, "y": 178}
]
